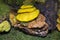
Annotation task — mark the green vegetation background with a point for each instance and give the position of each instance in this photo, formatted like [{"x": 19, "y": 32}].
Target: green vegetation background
[{"x": 18, "y": 35}]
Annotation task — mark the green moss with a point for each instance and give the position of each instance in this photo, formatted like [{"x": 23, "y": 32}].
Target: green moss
[
  {"x": 4, "y": 9},
  {"x": 18, "y": 35}
]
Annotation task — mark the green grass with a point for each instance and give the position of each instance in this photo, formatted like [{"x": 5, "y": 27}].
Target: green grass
[{"x": 18, "y": 35}]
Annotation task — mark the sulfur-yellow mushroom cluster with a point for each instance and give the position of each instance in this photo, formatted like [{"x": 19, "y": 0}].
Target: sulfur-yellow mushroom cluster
[
  {"x": 27, "y": 13},
  {"x": 4, "y": 26},
  {"x": 58, "y": 21}
]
